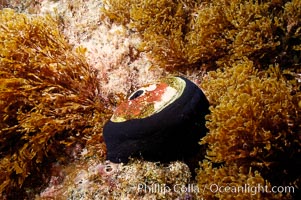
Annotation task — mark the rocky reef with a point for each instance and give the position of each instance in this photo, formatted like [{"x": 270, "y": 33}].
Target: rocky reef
[{"x": 63, "y": 74}]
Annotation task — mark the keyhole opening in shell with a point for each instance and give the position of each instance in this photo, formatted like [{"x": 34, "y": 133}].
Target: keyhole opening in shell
[{"x": 136, "y": 94}]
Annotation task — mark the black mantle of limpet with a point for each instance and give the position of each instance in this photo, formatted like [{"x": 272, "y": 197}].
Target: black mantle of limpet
[{"x": 172, "y": 134}]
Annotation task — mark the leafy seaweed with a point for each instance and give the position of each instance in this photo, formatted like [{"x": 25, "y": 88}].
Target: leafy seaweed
[
  {"x": 188, "y": 34},
  {"x": 49, "y": 98},
  {"x": 254, "y": 123}
]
